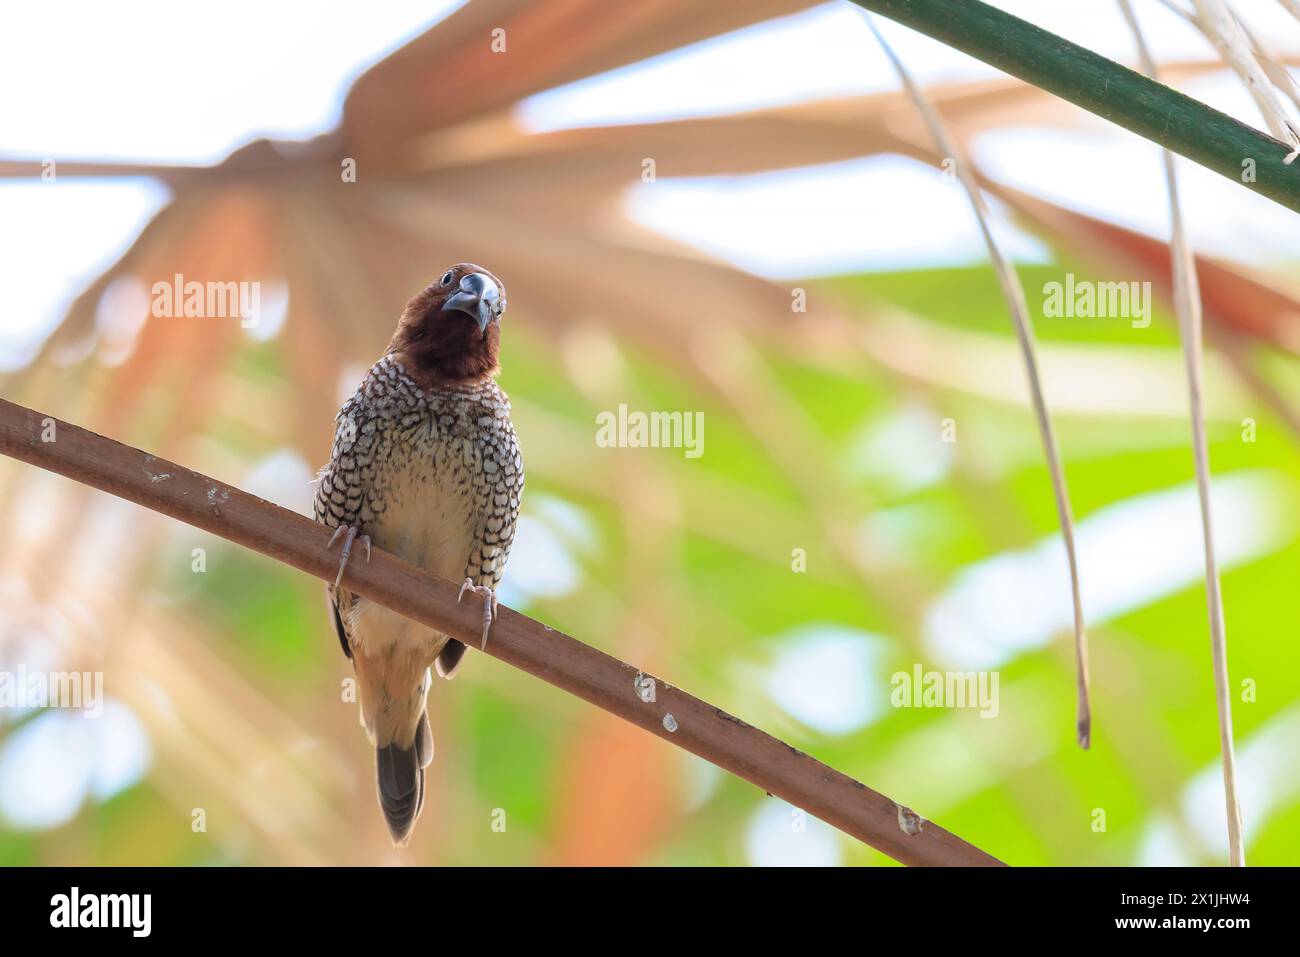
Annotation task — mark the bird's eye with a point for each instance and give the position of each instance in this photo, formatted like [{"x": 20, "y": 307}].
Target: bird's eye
[{"x": 446, "y": 279}]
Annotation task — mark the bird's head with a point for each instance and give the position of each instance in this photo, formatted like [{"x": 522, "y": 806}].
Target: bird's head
[{"x": 451, "y": 330}]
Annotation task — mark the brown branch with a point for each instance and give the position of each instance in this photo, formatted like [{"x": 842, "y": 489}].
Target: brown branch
[{"x": 518, "y": 640}]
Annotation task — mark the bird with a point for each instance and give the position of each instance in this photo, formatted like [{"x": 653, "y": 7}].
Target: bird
[{"x": 425, "y": 464}]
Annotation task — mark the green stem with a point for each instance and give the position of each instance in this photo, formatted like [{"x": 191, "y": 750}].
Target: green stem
[{"x": 1104, "y": 87}]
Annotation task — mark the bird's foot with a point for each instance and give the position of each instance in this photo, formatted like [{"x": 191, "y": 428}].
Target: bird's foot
[
  {"x": 489, "y": 604},
  {"x": 349, "y": 534}
]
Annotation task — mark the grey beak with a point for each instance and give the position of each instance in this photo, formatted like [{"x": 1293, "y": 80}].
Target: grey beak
[{"x": 479, "y": 298}]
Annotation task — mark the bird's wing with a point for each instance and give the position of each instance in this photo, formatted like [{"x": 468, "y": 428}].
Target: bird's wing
[
  {"x": 497, "y": 499},
  {"x": 341, "y": 495},
  {"x": 340, "y": 629},
  {"x": 498, "y": 488}
]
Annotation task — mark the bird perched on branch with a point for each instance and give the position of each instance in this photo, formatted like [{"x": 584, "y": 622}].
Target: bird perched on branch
[{"x": 425, "y": 464}]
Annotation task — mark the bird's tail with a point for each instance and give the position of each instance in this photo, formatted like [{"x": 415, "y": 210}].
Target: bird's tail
[{"x": 400, "y": 773}]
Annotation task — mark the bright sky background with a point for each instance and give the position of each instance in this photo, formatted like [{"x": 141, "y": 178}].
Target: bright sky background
[{"x": 174, "y": 82}]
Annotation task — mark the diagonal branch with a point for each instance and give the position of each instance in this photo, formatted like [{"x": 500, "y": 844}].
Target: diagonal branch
[{"x": 518, "y": 640}]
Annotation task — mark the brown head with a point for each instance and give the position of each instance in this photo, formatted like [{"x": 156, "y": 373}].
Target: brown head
[{"x": 451, "y": 331}]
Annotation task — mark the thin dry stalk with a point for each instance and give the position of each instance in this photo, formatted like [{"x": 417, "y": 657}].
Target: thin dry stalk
[
  {"x": 1014, "y": 293},
  {"x": 1223, "y": 31},
  {"x": 1187, "y": 305}
]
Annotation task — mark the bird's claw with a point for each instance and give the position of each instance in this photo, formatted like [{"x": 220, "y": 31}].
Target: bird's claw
[
  {"x": 489, "y": 604},
  {"x": 350, "y": 535}
]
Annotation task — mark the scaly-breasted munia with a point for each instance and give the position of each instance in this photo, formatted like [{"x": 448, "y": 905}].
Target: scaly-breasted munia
[{"x": 425, "y": 465}]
